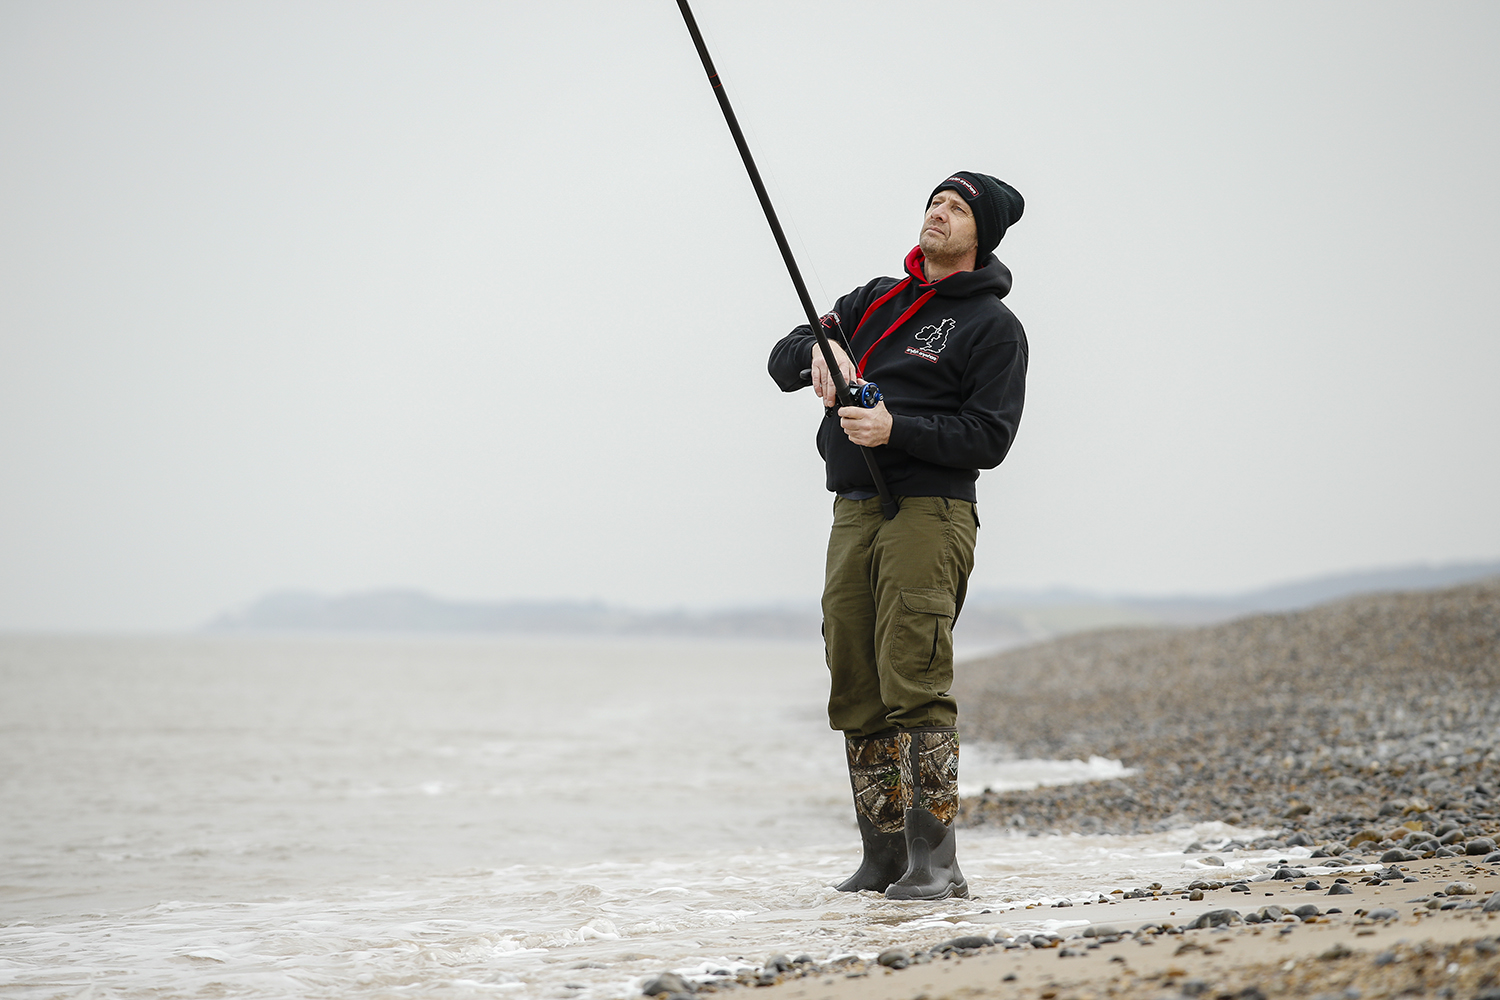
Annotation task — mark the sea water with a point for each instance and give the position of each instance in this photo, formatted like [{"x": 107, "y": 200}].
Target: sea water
[{"x": 443, "y": 817}]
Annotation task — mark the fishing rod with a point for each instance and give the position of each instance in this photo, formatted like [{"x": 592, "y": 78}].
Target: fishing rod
[{"x": 848, "y": 395}]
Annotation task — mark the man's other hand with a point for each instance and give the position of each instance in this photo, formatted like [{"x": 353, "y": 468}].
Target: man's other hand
[
  {"x": 869, "y": 428},
  {"x": 821, "y": 383}
]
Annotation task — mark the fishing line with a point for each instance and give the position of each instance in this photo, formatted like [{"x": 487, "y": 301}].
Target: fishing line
[
  {"x": 774, "y": 181},
  {"x": 868, "y": 395}
]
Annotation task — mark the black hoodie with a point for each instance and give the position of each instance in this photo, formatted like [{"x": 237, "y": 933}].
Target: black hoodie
[{"x": 952, "y": 370}]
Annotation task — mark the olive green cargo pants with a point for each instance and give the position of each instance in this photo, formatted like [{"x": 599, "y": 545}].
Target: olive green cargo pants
[{"x": 890, "y": 596}]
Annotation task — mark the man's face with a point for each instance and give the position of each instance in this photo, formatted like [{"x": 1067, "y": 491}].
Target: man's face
[{"x": 948, "y": 230}]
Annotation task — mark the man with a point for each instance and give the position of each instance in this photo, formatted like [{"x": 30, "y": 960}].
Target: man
[{"x": 950, "y": 360}]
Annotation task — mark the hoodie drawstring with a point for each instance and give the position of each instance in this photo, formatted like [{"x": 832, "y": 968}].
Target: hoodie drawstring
[{"x": 910, "y": 311}]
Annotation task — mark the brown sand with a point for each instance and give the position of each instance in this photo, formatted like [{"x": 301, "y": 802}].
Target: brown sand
[{"x": 1423, "y": 952}]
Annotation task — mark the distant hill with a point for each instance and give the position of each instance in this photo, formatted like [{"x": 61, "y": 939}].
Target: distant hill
[
  {"x": 1043, "y": 614},
  {"x": 991, "y": 619},
  {"x": 415, "y": 611}
]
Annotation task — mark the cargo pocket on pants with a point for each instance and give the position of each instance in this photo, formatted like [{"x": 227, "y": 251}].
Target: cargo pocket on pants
[{"x": 922, "y": 640}]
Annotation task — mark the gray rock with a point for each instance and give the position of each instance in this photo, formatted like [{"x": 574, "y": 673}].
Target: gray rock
[
  {"x": 968, "y": 942},
  {"x": 1479, "y": 845},
  {"x": 1213, "y": 859},
  {"x": 1453, "y": 836},
  {"x": 1493, "y": 859},
  {"x": 895, "y": 958},
  {"x": 1459, "y": 889},
  {"x": 1397, "y": 854},
  {"x": 1383, "y": 913},
  {"x": 1306, "y": 910},
  {"x": 778, "y": 963},
  {"x": 1492, "y": 905},
  {"x": 1340, "y": 889},
  {"x": 667, "y": 982},
  {"x": 1216, "y": 918},
  {"x": 1313, "y": 885},
  {"x": 1271, "y": 912}
]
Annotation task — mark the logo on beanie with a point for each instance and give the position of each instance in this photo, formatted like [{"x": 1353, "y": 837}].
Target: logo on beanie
[
  {"x": 973, "y": 191},
  {"x": 933, "y": 339}
]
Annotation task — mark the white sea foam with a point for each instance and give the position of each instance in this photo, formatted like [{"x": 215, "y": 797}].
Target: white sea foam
[
  {"x": 333, "y": 818},
  {"x": 983, "y": 769}
]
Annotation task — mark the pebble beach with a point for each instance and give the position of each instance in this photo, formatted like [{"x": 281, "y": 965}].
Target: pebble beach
[
  {"x": 1320, "y": 725},
  {"x": 1355, "y": 748}
]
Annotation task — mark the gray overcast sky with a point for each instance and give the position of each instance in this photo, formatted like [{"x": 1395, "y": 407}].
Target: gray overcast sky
[{"x": 475, "y": 297}]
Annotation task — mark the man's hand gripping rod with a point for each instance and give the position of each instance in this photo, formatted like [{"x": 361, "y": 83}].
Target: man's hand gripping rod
[{"x": 887, "y": 502}]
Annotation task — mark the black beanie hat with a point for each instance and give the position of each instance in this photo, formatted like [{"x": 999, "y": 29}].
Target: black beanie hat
[{"x": 996, "y": 206}]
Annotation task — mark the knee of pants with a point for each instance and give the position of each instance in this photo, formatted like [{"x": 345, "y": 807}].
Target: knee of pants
[{"x": 916, "y": 658}]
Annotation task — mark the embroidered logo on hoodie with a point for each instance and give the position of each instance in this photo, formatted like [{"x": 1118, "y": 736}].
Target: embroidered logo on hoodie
[{"x": 933, "y": 339}]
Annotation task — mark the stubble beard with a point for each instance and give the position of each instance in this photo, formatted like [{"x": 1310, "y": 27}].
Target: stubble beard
[{"x": 946, "y": 251}]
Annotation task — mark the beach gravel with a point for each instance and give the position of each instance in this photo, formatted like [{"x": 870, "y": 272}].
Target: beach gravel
[{"x": 1373, "y": 722}]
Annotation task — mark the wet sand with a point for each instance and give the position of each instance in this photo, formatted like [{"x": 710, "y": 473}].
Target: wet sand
[{"x": 1419, "y": 951}]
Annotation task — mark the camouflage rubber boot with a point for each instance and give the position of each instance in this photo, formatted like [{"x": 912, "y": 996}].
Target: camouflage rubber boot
[
  {"x": 879, "y": 805},
  {"x": 929, "y": 767}
]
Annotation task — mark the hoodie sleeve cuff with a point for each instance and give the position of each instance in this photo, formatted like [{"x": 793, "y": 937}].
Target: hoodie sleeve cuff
[{"x": 901, "y": 427}]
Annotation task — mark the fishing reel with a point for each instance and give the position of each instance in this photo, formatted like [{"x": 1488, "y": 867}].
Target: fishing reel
[{"x": 866, "y": 395}]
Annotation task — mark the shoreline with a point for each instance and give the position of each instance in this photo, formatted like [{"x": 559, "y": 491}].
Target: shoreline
[
  {"x": 1358, "y": 735},
  {"x": 1377, "y": 939}
]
